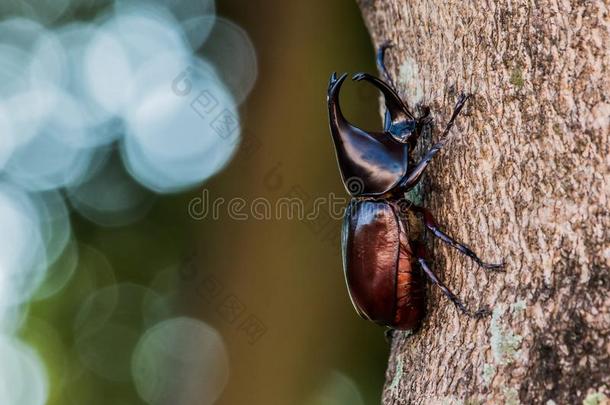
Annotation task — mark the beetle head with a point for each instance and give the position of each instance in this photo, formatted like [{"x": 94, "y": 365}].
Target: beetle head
[
  {"x": 377, "y": 159},
  {"x": 403, "y": 131}
]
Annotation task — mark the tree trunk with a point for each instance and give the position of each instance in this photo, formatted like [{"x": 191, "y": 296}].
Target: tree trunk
[{"x": 524, "y": 178}]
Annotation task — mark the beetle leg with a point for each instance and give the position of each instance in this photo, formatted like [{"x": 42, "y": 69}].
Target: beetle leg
[
  {"x": 414, "y": 175},
  {"x": 380, "y": 57},
  {"x": 380, "y": 61},
  {"x": 419, "y": 252},
  {"x": 432, "y": 225}
]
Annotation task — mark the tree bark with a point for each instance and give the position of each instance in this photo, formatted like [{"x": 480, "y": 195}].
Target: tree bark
[{"x": 524, "y": 179}]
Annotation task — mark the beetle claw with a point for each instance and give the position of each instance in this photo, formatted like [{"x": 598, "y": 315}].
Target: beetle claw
[
  {"x": 386, "y": 44},
  {"x": 494, "y": 266},
  {"x": 463, "y": 98},
  {"x": 481, "y": 313}
]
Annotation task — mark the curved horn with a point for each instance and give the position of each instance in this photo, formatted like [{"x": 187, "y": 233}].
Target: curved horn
[
  {"x": 395, "y": 108},
  {"x": 334, "y": 111},
  {"x": 375, "y": 162}
]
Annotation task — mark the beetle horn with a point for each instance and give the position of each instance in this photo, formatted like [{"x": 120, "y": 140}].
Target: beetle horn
[
  {"x": 396, "y": 111},
  {"x": 334, "y": 111},
  {"x": 332, "y": 81},
  {"x": 371, "y": 163},
  {"x": 340, "y": 128}
]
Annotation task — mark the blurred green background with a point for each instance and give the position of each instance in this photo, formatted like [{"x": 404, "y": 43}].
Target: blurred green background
[{"x": 274, "y": 289}]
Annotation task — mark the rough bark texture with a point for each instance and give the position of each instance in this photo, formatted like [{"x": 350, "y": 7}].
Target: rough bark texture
[{"x": 525, "y": 178}]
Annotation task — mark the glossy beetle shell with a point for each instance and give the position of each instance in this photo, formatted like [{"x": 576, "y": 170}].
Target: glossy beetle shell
[
  {"x": 384, "y": 282},
  {"x": 376, "y": 160},
  {"x": 380, "y": 241}
]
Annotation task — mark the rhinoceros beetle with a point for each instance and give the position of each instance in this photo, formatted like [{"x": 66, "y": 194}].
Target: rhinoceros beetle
[{"x": 384, "y": 259}]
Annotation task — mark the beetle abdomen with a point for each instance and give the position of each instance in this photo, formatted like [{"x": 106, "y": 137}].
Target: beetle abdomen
[
  {"x": 371, "y": 239},
  {"x": 378, "y": 263}
]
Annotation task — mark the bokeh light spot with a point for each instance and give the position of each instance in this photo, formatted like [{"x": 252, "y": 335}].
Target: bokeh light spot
[{"x": 181, "y": 361}]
